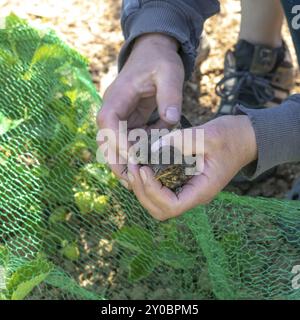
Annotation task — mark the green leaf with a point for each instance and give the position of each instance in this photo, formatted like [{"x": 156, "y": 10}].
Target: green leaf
[
  {"x": 59, "y": 214},
  {"x": 2, "y": 297},
  {"x": 101, "y": 174},
  {"x": 85, "y": 84},
  {"x": 24, "y": 288},
  {"x": 23, "y": 40},
  {"x": 72, "y": 95},
  {"x": 7, "y": 57},
  {"x": 7, "y": 124},
  {"x": 27, "y": 277},
  {"x": 4, "y": 256},
  {"x": 135, "y": 238},
  {"x": 141, "y": 266},
  {"x": 51, "y": 56},
  {"x": 68, "y": 122},
  {"x": 70, "y": 251},
  {"x": 13, "y": 21},
  {"x": 100, "y": 204},
  {"x": 175, "y": 255},
  {"x": 61, "y": 231},
  {"x": 84, "y": 201},
  {"x": 46, "y": 52}
]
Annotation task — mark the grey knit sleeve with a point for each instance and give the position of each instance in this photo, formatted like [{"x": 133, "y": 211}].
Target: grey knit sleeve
[
  {"x": 181, "y": 19},
  {"x": 277, "y": 133}
]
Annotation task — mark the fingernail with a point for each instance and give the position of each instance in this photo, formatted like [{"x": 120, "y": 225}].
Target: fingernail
[
  {"x": 143, "y": 175},
  {"x": 124, "y": 183},
  {"x": 130, "y": 177},
  {"x": 172, "y": 115}
]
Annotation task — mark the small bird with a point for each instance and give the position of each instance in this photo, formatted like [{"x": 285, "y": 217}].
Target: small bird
[{"x": 172, "y": 175}]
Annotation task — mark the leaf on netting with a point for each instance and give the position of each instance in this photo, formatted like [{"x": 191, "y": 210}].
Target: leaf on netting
[
  {"x": 4, "y": 255},
  {"x": 84, "y": 201},
  {"x": 22, "y": 39},
  {"x": 2, "y": 297},
  {"x": 24, "y": 288},
  {"x": 72, "y": 95},
  {"x": 58, "y": 215},
  {"x": 13, "y": 21},
  {"x": 60, "y": 232},
  {"x": 99, "y": 173},
  {"x": 7, "y": 124},
  {"x": 82, "y": 79},
  {"x": 174, "y": 255},
  {"x": 135, "y": 238},
  {"x": 27, "y": 277},
  {"x": 7, "y": 57},
  {"x": 69, "y": 123},
  {"x": 70, "y": 250},
  {"x": 141, "y": 266},
  {"x": 48, "y": 52}
]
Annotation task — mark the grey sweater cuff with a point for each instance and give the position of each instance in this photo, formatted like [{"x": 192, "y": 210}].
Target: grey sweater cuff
[
  {"x": 277, "y": 133},
  {"x": 167, "y": 18}
]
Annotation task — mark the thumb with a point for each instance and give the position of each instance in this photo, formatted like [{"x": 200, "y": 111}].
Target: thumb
[
  {"x": 169, "y": 96},
  {"x": 188, "y": 141}
]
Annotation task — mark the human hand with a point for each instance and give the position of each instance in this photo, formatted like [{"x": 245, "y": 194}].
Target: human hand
[
  {"x": 229, "y": 145},
  {"x": 152, "y": 78}
]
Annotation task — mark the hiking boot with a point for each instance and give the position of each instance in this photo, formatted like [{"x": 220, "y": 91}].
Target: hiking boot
[{"x": 255, "y": 76}]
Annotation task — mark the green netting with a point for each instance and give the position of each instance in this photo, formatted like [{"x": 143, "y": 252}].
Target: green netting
[{"x": 68, "y": 230}]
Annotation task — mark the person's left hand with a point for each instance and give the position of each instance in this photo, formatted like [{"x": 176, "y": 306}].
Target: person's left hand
[{"x": 229, "y": 145}]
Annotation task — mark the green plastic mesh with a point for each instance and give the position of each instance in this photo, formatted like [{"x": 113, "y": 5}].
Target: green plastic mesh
[{"x": 68, "y": 230}]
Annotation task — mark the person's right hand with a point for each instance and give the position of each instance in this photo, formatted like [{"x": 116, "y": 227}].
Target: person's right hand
[
  {"x": 152, "y": 78},
  {"x": 228, "y": 145}
]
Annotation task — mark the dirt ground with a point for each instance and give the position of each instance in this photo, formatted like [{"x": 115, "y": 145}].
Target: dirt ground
[{"x": 93, "y": 27}]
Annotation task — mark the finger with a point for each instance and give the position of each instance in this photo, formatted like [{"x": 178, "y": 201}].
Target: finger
[
  {"x": 160, "y": 124},
  {"x": 123, "y": 95},
  {"x": 161, "y": 196},
  {"x": 169, "y": 95},
  {"x": 120, "y": 99},
  {"x": 144, "y": 116},
  {"x": 137, "y": 187},
  {"x": 118, "y": 103},
  {"x": 154, "y": 189},
  {"x": 201, "y": 189},
  {"x": 139, "y": 117},
  {"x": 197, "y": 191},
  {"x": 155, "y": 122},
  {"x": 188, "y": 141}
]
